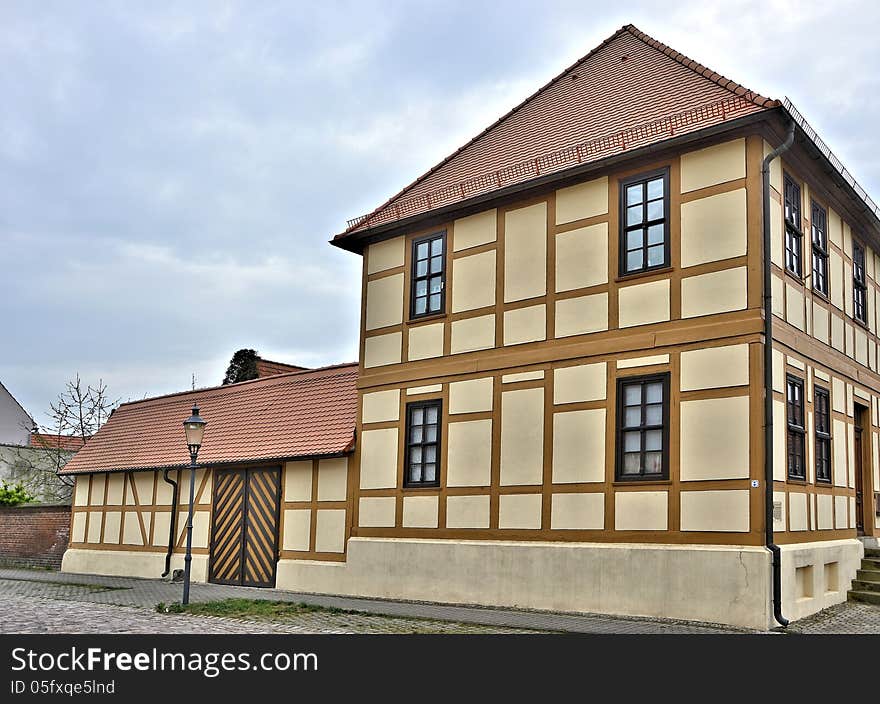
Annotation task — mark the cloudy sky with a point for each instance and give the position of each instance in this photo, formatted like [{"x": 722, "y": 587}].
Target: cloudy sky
[{"x": 170, "y": 173}]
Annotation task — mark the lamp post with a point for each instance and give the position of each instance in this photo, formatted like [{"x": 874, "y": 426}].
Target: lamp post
[{"x": 194, "y": 427}]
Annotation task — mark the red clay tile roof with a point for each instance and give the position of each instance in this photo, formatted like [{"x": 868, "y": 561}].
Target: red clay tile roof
[
  {"x": 628, "y": 92},
  {"x": 301, "y": 414},
  {"x": 266, "y": 368},
  {"x": 63, "y": 442}
]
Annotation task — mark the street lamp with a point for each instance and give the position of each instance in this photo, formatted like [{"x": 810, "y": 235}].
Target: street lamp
[{"x": 194, "y": 427}]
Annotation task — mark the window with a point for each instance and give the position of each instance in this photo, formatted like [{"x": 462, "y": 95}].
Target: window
[
  {"x": 423, "y": 444},
  {"x": 428, "y": 275},
  {"x": 819, "y": 220},
  {"x": 860, "y": 288},
  {"x": 643, "y": 427},
  {"x": 644, "y": 217},
  {"x": 795, "y": 403},
  {"x": 793, "y": 235},
  {"x": 823, "y": 435}
]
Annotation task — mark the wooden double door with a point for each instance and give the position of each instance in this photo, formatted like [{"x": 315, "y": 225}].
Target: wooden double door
[{"x": 245, "y": 519}]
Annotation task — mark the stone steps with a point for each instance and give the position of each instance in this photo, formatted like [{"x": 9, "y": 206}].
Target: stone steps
[{"x": 864, "y": 597}]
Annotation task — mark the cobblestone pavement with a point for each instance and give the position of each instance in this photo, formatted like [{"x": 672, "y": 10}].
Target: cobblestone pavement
[
  {"x": 39, "y": 601},
  {"x": 849, "y": 617}
]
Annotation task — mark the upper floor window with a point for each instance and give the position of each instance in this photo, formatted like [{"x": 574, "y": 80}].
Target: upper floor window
[
  {"x": 422, "y": 461},
  {"x": 644, "y": 218},
  {"x": 819, "y": 225},
  {"x": 643, "y": 427},
  {"x": 794, "y": 394},
  {"x": 823, "y": 434},
  {"x": 860, "y": 287},
  {"x": 428, "y": 275},
  {"x": 793, "y": 235}
]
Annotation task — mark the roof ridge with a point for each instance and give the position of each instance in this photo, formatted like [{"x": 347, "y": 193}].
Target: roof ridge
[
  {"x": 702, "y": 70},
  {"x": 239, "y": 384}
]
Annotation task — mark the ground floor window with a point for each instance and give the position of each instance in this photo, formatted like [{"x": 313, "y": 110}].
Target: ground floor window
[
  {"x": 796, "y": 432},
  {"x": 423, "y": 444},
  {"x": 643, "y": 427}
]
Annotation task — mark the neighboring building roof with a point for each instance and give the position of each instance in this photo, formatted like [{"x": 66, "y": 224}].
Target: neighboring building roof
[
  {"x": 629, "y": 92},
  {"x": 266, "y": 368},
  {"x": 57, "y": 442},
  {"x": 300, "y": 414}
]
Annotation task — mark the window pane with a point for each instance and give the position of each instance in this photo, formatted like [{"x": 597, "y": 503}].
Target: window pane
[
  {"x": 431, "y": 414},
  {"x": 655, "y": 210},
  {"x": 655, "y": 234},
  {"x": 436, "y": 284},
  {"x": 430, "y": 453},
  {"x": 632, "y": 442},
  {"x": 654, "y": 392},
  {"x": 435, "y": 302},
  {"x": 415, "y": 473},
  {"x": 421, "y": 268},
  {"x": 422, "y": 250},
  {"x": 430, "y": 473},
  {"x": 631, "y": 463},
  {"x": 634, "y": 215},
  {"x": 634, "y": 194},
  {"x": 654, "y": 414},
  {"x": 437, "y": 246},
  {"x": 632, "y": 394},
  {"x": 635, "y": 239},
  {"x": 421, "y": 288},
  {"x": 431, "y": 433},
  {"x": 653, "y": 462},
  {"x": 418, "y": 416},
  {"x": 655, "y": 255},
  {"x": 415, "y": 455},
  {"x": 655, "y": 189},
  {"x": 634, "y": 260},
  {"x": 421, "y": 305},
  {"x": 415, "y": 434},
  {"x": 633, "y": 417},
  {"x": 654, "y": 440},
  {"x": 436, "y": 264}
]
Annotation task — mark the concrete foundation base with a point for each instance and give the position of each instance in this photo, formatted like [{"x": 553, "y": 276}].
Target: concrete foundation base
[
  {"x": 122, "y": 563},
  {"x": 817, "y": 575}
]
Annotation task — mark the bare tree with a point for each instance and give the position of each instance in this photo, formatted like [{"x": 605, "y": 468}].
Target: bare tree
[{"x": 74, "y": 417}]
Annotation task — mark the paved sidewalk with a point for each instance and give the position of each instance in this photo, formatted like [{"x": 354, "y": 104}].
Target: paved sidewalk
[{"x": 35, "y": 595}]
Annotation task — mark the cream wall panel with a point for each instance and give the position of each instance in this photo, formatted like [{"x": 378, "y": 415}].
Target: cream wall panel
[
  {"x": 379, "y": 459},
  {"x": 382, "y": 350},
  {"x": 381, "y": 406},
  {"x": 97, "y": 495},
  {"x": 824, "y": 510},
  {"x": 297, "y": 529},
  {"x": 835, "y": 275},
  {"x": 112, "y": 526},
  {"x": 875, "y": 451},
  {"x": 715, "y": 367},
  {"x": 473, "y": 282},
  {"x": 201, "y": 525},
  {"x": 431, "y": 389},
  {"x": 473, "y": 334},
  {"x": 579, "y": 446},
  {"x": 838, "y": 395},
  {"x": 861, "y": 348},
  {"x": 144, "y": 487},
  {"x": 633, "y": 362},
  {"x": 425, "y": 341},
  {"x": 640, "y": 510},
  {"x": 643, "y": 304},
  {"x": 420, "y": 511},
  {"x": 838, "y": 447},
  {"x": 330, "y": 530},
  {"x": 775, "y": 169},
  {"x": 333, "y": 479},
  {"x": 81, "y": 491},
  {"x": 794, "y": 306},
  {"x": 851, "y": 466},
  {"x": 835, "y": 230},
  {"x": 779, "y": 441},
  {"x": 718, "y": 292},
  {"x": 777, "y": 291},
  {"x": 582, "y": 315},
  {"x": 724, "y": 511},
  {"x": 93, "y": 530},
  {"x": 385, "y": 302},
  {"x": 472, "y": 396},
  {"x": 776, "y": 224},
  {"x": 821, "y": 326},
  {"x": 852, "y": 512},
  {"x": 161, "y": 528},
  {"x": 778, "y": 371},
  {"x": 525, "y": 253},
  {"x": 585, "y": 200},
  {"x": 582, "y": 257},
  {"x": 578, "y": 511},
  {"x": 713, "y": 228},
  {"x": 520, "y": 511},
  {"x": 779, "y": 524},
  {"x": 115, "y": 487},
  {"x": 78, "y": 528},
  {"x": 584, "y": 382},
  {"x": 837, "y": 332},
  {"x": 797, "y": 511},
  {"x": 131, "y": 528},
  {"x": 822, "y": 376},
  {"x": 719, "y": 163},
  {"x": 376, "y": 511},
  {"x": 525, "y": 325},
  {"x": 474, "y": 230},
  {"x": 385, "y": 255},
  {"x": 298, "y": 481},
  {"x": 467, "y": 512},
  {"x": 522, "y": 437},
  {"x": 522, "y": 376},
  {"x": 715, "y": 438},
  {"x": 840, "y": 517},
  {"x": 469, "y": 453}
]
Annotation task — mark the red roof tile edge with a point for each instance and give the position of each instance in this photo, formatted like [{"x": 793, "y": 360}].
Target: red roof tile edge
[{"x": 361, "y": 223}]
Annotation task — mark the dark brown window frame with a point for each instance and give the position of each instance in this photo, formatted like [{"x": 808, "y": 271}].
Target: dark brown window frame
[
  {"x": 795, "y": 433},
  {"x": 794, "y": 235},
  {"x": 414, "y": 278},
  {"x": 822, "y": 432},
  {"x": 819, "y": 241},
  {"x": 621, "y": 429},
  {"x": 643, "y": 178},
  {"x": 860, "y": 284},
  {"x": 408, "y": 444}
]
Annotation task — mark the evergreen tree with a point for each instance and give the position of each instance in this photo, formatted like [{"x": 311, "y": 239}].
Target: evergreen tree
[{"x": 242, "y": 366}]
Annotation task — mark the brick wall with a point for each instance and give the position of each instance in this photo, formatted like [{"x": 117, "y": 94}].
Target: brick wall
[{"x": 34, "y": 536}]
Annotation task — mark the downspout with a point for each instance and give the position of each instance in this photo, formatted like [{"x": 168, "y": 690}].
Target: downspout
[
  {"x": 173, "y": 526},
  {"x": 768, "y": 380}
]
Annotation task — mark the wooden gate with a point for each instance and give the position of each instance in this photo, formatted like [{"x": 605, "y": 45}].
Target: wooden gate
[{"x": 244, "y": 542}]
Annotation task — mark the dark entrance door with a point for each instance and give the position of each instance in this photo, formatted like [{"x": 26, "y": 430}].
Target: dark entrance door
[
  {"x": 860, "y": 481},
  {"x": 244, "y": 542}
]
